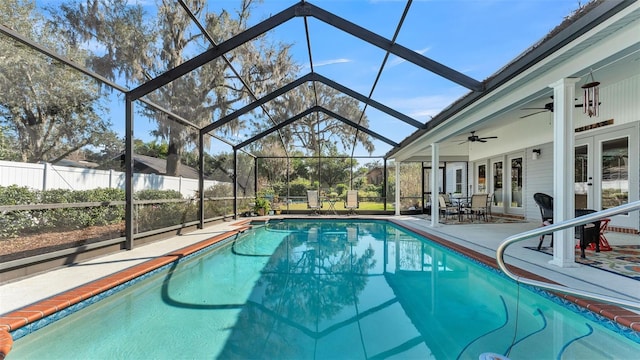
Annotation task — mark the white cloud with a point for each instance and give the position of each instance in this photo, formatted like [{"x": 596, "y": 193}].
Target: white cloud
[
  {"x": 396, "y": 60},
  {"x": 328, "y": 62},
  {"x": 421, "y": 108}
]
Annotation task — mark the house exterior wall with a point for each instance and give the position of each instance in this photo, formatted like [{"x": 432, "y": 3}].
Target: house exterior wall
[
  {"x": 451, "y": 177},
  {"x": 538, "y": 178},
  {"x": 619, "y": 102}
]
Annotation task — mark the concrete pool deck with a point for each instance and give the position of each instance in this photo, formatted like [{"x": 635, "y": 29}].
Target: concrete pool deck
[{"x": 481, "y": 238}]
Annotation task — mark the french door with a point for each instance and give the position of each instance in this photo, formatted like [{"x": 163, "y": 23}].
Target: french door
[
  {"x": 514, "y": 184},
  {"x": 605, "y": 168},
  {"x": 506, "y": 184}
]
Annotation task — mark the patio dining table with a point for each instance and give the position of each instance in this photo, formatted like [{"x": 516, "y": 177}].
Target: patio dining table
[{"x": 461, "y": 202}]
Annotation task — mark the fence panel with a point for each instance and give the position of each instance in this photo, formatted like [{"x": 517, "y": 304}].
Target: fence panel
[{"x": 47, "y": 177}]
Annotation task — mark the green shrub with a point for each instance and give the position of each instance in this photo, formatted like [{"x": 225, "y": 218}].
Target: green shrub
[
  {"x": 13, "y": 223},
  {"x": 299, "y": 186},
  {"x": 156, "y": 216},
  {"x": 219, "y": 190},
  {"x": 157, "y": 195},
  {"x": 82, "y": 217}
]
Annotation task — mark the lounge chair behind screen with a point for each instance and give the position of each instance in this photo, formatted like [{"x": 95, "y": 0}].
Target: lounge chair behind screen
[
  {"x": 313, "y": 200},
  {"x": 352, "y": 202}
]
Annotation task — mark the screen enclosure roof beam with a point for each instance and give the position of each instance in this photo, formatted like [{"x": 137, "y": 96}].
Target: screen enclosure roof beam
[
  {"x": 313, "y": 77},
  {"x": 305, "y": 9},
  {"x": 310, "y": 111}
]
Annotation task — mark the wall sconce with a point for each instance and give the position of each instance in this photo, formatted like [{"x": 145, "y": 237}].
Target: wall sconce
[{"x": 535, "y": 154}]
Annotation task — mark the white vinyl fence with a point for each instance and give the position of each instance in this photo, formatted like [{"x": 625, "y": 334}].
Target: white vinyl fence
[{"x": 46, "y": 176}]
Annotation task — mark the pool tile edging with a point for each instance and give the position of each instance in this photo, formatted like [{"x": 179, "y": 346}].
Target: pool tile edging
[
  {"x": 615, "y": 318},
  {"x": 23, "y": 321}
]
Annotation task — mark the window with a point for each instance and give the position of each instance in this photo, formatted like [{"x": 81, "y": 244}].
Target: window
[
  {"x": 458, "y": 181},
  {"x": 482, "y": 178},
  {"x": 516, "y": 182}
]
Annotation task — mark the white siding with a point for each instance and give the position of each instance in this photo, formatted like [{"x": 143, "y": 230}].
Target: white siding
[{"x": 538, "y": 178}]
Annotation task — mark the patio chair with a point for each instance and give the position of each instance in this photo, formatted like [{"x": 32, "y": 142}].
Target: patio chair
[
  {"x": 479, "y": 206},
  {"x": 313, "y": 201},
  {"x": 352, "y": 203},
  {"x": 490, "y": 204},
  {"x": 545, "y": 203},
  {"x": 447, "y": 209},
  {"x": 588, "y": 233}
]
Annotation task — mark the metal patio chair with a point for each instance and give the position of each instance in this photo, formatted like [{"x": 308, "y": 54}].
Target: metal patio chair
[
  {"x": 479, "y": 206},
  {"x": 545, "y": 203}
]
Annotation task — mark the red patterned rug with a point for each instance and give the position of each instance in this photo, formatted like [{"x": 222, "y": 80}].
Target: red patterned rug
[{"x": 622, "y": 259}]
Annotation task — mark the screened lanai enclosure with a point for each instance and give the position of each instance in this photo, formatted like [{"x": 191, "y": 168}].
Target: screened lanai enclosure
[{"x": 123, "y": 121}]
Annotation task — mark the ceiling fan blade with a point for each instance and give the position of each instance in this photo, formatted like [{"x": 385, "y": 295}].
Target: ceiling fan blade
[
  {"x": 481, "y": 140},
  {"x": 488, "y": 137},
  {"x": 464, "y": 142},
  {"x": 537, "y": 112}
]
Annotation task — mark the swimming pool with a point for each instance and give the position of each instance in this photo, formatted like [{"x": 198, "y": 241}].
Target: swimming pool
[{"x": 326, "y": 289}]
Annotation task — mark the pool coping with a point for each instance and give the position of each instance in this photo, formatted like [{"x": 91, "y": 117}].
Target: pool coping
[{"x": 32, "y": 313}]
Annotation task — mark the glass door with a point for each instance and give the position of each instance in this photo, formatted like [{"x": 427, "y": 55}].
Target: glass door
[
  {"x": 514, "y": 185},
  {"x": 481, "y": 181},
  {"x": 583, "y": 174},
  {"x": 605, "y": 168},
  {"x": 497, "y": 186},
  {"x": 614, "y": 172}
]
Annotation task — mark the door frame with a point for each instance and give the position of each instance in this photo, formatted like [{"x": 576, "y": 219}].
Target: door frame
[
  {"x": 496, "y": 208},
  {"x": 594, "y": 142},
  {"x": 506, "y": 188}
]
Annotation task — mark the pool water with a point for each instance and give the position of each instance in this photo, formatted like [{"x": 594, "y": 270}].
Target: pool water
[{"x": 345, "y": 289}]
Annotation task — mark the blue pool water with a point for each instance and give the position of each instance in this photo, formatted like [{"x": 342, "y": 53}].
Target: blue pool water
[{"x": 343, "y": 289}]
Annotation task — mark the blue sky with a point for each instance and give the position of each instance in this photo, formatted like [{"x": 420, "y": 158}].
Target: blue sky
[{"x": 474, "y": 37}]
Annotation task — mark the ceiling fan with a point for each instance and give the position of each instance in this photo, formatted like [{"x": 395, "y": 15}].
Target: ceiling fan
[
  {"x": 547, "y": 107},
  {"x": 475, "y": 138}
]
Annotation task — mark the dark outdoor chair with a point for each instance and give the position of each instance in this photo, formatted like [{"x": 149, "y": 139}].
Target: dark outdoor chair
[
  {"x": 588, "y": 233},
  {"x": 545, "y": 203}
]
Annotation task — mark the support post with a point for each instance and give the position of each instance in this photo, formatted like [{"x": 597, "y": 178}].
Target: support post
[
  {"x": 397, "y": 188},
  {"x": 563, "y": 170},
  {"x": 201, "y": 180},
  {"x": 435, "y": 166},
  {"x": 235, "y": 182},
  {"x": 255, "y": 177},
  {"x": 128, "y": 181},
  {"x": 385, "y": 184}
]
